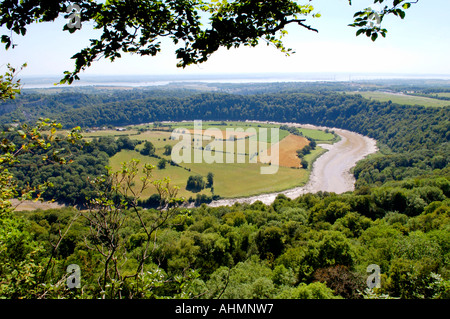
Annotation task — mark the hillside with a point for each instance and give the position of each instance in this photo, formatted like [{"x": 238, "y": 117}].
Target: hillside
[
  {"x": 404, "y": 133},
  {"x": 318, "y": 245}
]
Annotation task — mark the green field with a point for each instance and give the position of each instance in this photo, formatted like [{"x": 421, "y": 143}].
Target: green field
[
  {"x": 221, "y": 125},
  {"x": 318, "y": 135},
  {"x": 402, "y": 98},
  {"x": 109, "y": 132},
  {"x": 230, "y": 179},
  {"x": 443, "y": 94}
]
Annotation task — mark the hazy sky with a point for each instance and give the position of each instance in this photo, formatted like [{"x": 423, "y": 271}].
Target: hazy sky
[{"x": 419, "y": 44}]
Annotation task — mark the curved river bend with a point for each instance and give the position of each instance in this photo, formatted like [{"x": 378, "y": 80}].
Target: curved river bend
[{"x": 330, "y": 172}]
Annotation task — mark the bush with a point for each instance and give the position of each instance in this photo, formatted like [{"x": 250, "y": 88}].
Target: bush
[
  {"x": 162, "y": 163},
  {"x": 195, "y": 183},
  {"x": 149, "y": 149}
]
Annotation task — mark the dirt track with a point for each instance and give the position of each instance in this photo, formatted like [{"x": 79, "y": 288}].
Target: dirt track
[{"x": 330, "y": 172}]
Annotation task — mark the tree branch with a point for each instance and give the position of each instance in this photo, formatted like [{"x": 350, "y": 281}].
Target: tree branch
[{"x": 300, "y": 22}]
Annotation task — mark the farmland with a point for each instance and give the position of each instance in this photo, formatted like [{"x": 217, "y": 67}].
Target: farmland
[
  {"x": 404, "y": 99},
  {"x": 236, "y": 173}
]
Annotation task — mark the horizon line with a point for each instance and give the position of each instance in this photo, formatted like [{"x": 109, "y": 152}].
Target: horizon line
[
  {"x": 140, "y": 80},
  {"x": 227, "y": 74}
]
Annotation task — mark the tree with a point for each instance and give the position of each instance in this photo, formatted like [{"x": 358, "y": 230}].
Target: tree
[
  {"x": 22, "y": 269},
  {"x": 315, "y": 290},
  {"x": 31, "y": 139},
  {"x": 343, "y": 281},
  {"x": 333, "y": 248},
  {"x": 138, "y": 26},
  {"x": 210, "y": 180},
  {"x": 304, "y": 163},
  {"x": 9, "y": 86},
  {"x": 195, "y": 183},
  {"x": 167, "y": 150},
  {"x": 115, "y": 194},
  {"x": 270, "y": 242},
  {"x": 125, "y": 143},
  {"x": 149, "y": 149},
  {"x": 162, "y": 163},
  {"x": 19, "y": 263}
]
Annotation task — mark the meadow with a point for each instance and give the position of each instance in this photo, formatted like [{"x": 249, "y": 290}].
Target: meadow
[
  {"x": 321, "y": 137},
  {"x": 402, "y": 98}
]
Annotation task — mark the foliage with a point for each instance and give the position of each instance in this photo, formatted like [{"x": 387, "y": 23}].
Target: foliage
[
  {"x": 162, "y": 163},
  {"x": 22, "y": 141},
  {"x": 149, "y": 149},
  {"x": 257, "y": 250},
  {"x": 209, "y": 180},
  {"x": 195, "y": 183},
  {"x": 69, "y": 183},
  {"x": 370, "y": 20},
  {"x": 21, "y": 262},
  {"x": 167, "y": 150},
  {"x": 315, "y": 290},
  {"x": 19, "y": 259},
  {"x": 9, "y": 87},
  {"x": 314, "y": 246},
  {"x": 341, "y": 280}
]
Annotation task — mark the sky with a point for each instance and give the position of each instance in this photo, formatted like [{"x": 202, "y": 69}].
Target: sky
[{"x": 419, "y": 44}]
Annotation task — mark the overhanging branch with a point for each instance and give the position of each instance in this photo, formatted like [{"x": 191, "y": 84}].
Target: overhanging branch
[{"x": 300, "y": 22}]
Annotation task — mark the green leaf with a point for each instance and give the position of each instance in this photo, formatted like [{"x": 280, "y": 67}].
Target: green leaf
[{"x": 21, "y": 133}]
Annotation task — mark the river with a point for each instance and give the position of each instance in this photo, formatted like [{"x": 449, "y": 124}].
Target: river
[{"x": 331, "y": 172}]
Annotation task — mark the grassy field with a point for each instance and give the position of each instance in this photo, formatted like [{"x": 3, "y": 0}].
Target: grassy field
[
  {"x": 320, "y": 136},
  {"x": 236, "y": 126},
  {"x": 109, "y": 132},
  {"x": 402, "y": 99},
  {"x": 444, "y": 94},
  {"x": 230, "y": 179}
]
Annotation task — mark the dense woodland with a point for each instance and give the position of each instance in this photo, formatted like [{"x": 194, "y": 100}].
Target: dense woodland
[
  {"x": 316, "y": 246},
  {"x": 70, "y": 183}
]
